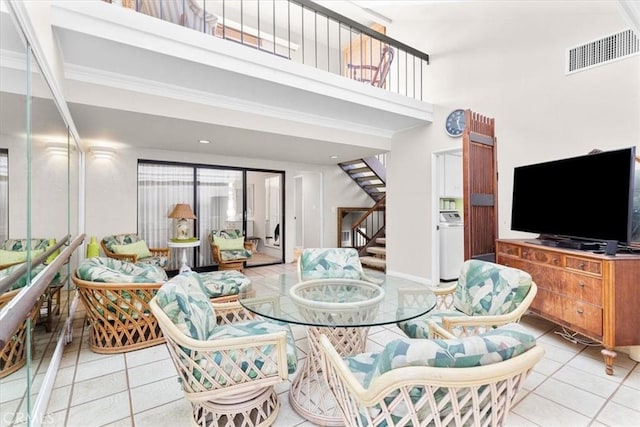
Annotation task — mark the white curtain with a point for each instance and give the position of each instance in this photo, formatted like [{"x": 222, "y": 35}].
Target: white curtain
[{"x": 4, "y": 195}]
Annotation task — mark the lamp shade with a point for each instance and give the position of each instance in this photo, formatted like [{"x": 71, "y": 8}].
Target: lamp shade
[{"x": 182, "y": 211}]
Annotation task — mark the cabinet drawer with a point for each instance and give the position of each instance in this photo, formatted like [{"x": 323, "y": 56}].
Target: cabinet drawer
[
  {"x": 583, "y": 264},
  {"x": 582, "y": 315},
  {"x": 541, "y": 256},
  {"x": 583, "y": 288},
  {"x": 508, "y": 249}
]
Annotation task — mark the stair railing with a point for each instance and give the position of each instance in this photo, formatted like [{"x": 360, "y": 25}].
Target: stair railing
[{"x": 369, "y": 226}]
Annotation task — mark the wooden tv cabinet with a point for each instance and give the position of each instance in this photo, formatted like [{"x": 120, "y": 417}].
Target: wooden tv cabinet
[{"x": 595, "y": 295}]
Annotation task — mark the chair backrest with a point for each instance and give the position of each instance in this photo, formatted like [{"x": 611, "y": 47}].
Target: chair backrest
[
  {"x": 486, "y": 288},
  {"x": 329, "y": 263},
  {"x": 186, "y": 305},
  {"x": 24, "y": 244},
  {"x": 381, "y": 72}
]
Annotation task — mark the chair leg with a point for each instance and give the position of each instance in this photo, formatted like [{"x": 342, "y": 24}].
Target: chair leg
[{"x": 251, "y": 410}]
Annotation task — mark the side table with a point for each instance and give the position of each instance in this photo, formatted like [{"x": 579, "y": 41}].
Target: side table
[{"x": 184, "y": 245}]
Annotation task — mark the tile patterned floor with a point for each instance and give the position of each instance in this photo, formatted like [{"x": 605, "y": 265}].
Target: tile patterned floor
[{"x": 567, "y": 388}]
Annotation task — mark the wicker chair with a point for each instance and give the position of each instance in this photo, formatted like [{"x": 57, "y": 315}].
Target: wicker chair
[
  {"x": 13, "y": 355},
  {"x": 471, "y": 381},
  {"x": 131, "y": 248},
  {"x": 229, "y": 249},
  {"x": 486, "y": 295},
  {"x": 116, "y": 297},
  {"x": 332, "y": 263},
  {"x": 227, "y": 370}
]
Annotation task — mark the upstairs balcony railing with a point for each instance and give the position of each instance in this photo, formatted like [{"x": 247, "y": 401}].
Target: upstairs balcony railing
[{"x": 301, "y": 31}]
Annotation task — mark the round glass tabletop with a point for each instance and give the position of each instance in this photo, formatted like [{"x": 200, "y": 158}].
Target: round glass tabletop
[{"x": 337, "y": 302}]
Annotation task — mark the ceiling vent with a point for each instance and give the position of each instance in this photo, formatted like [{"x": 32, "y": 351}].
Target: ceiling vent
[{"x": 602, "y": 51}]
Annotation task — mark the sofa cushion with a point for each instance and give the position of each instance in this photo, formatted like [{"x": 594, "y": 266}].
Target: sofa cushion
[
  {"x": 485, "y": 288},
  {"x": 12, "y": 257},
  {"x": 229, "y": 244},
  {"x": 491, "y": 347},
  {"x": 419, "y": 328},
  {"x": 22, "y": 281},
  {"x": 186, "y": 304},
  {"x": 24, "y": 244},
  {"x": 119, "y": 239},
  {"x": 109, "y": 270},
  {"x": 138, "y": 248},
  {"x": 225, "y": 282}
]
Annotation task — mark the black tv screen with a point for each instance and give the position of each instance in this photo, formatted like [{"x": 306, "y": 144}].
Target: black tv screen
[{"x": 587, "y": 197}]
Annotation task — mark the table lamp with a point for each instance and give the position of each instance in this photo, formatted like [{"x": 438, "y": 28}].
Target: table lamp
[{"x": 182, "y": 212}]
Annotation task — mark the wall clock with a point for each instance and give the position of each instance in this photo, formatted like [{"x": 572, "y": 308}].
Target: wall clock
[{"x": 455, "y": 123}]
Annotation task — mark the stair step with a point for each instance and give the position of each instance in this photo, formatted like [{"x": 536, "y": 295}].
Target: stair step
[
  {"x": 374, "y": 262},
  {"x": 382, "y": 241},
  {"x": 379, "y": 251}
]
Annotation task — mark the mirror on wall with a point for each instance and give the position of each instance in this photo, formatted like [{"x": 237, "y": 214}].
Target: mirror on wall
[
  {"x": 264, "y": 193},
  {"x": 38, "y": 191}
]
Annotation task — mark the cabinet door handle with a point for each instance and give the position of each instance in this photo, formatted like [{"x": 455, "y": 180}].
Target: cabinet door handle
[
  {"x": 579, "y": 311},
  {"x": 581, "y": 284},
  {"x": 581, "y": 266},
  {"x": 556, "y": 261}
]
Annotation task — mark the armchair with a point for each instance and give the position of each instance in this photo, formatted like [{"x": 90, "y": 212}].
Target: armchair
[
  {"x": 469, "y": 381},
  {"x": 227, "y": 370},
  {"x": 116, "y": 297},
  {"x": 372, "y": 74},
  {"x": 486, "y": 295},
  {"x": 332, "y": 263},
  {"x": 229, "y": 248},
  {"x": 131, "y": 248}
]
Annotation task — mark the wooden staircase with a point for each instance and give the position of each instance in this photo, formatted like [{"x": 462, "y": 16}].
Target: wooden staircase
[
  {"x": 377, "y": 255},
  {"x": 370, "y": 175}
]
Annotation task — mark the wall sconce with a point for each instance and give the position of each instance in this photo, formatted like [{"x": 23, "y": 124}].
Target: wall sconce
[
  {"x": 102, "y": 152},
  {"x": 182, "y": 213},
  {"x": 58, "y": 148}
]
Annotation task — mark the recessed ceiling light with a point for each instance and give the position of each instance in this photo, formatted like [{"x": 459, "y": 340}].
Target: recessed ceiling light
[
  {"x": 204, "y": 141},
  {"x": 333, "y": 157}
]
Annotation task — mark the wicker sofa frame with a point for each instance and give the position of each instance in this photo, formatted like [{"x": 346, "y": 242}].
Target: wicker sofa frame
[
  {"x": 14, "y": 354},
  {"x": 155, "y": 252}
]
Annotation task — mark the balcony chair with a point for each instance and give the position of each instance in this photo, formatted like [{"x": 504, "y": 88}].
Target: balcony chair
[
  {"x": 227, "y": 370},
  {"x": 229, "y": 248},
  {"x": 332, "y": 263},
  {"x": 486, "y": 295},
  {"x": 469, "y": 381},
  {"x": 116, "y": 297},
  {"x": 372, "y": 74},
  {"x": 131, "y": 248}
]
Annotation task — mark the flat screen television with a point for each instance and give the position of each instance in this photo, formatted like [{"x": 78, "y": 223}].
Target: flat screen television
[{"x": 589, "y": 197}]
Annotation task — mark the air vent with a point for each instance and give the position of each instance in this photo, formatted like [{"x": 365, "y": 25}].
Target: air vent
[{"x": 598, "y": 52}]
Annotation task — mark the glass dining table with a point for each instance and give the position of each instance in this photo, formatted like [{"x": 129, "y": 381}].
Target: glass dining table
[{"x": 341, "y": 309}]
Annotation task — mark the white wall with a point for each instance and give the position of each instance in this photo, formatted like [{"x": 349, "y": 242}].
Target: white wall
[
  {"x": 510, "y": 68},
  {"x": 111, "y": 187}
]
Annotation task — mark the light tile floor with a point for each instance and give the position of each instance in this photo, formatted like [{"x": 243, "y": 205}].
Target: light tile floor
[{"x": 567, "y": 388}]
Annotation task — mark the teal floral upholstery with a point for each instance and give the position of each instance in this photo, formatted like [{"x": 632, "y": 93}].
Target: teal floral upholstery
[
  {"x": 329, "y": 263},
  {"x": 11, "y": 247},
  {"x": 21, "y": 244},
  {"x": 487, "y": 288},
  {"x": 108, "y": 242},
  {"x": 224, "y": 283},
  {"x": 187, "y": 305},
  {"x": 109, "y": 270},
  {"x": 489, "y": 348},
  {"x": 22, "y": 281},
  {"x": 483, "y": 289},
  {"x": 231, "y": 254}
]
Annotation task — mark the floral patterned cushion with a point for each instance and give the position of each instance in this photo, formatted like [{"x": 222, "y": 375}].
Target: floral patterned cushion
[
  {"x": 184, "y": 301},
  {"x": 128, "y": 239},
  {"x": 485, "y": 288},
  {"x": 418, "y": 327},
  {"x": 231, "y": 254},
  {"x": 22, "y": 281},
  {"x": 491, "y": 347},
  {"x": 225, "y": 282},
  {"x": 330, "y": 263},
  {"x": 109, "y": 270},
  {"x": 21, "y": 244},
  {"x": 259, "y": 327}
]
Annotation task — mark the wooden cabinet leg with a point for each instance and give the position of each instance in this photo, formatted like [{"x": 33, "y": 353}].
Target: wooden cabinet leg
[{"x": 608, "y": 355}]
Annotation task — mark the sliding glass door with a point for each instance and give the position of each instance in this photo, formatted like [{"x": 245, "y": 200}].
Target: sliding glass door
[{"x": 221, "y": 198}]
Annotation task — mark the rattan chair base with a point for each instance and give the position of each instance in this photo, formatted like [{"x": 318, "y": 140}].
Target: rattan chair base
[
  {"x": 260, "y": 409},
  {"x": 13, "y": 355},
  {"x": 309, "y": 394}
]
